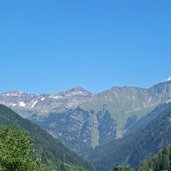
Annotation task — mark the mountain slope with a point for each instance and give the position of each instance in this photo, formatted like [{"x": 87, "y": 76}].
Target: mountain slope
[
  {"x": 53, "y": 152},
  {"x": 123, "y": 103},
  {"x": 134, "y": 148},
  {"x": 82, "y": 120},
  {"x": 106, "y": 116}
]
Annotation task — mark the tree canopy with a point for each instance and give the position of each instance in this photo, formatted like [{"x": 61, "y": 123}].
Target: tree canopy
[
  {"x": 17, "y": 152},
  {"x": 160, "y": 161}
]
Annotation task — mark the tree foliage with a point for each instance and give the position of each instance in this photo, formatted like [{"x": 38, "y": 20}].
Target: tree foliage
[
  {"x": 158, "y": 162},
  {"x": 50, "y": 149},
  {"x": 161, "y": 161},
  {"x": 17, "y": 152}
]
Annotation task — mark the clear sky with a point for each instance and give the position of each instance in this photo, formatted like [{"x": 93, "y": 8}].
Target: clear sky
[{"x": 54, "y": 45}]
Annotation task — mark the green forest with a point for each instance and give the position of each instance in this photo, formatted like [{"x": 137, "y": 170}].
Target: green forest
[
  {"x": 17, "y": 152},
  {"x": 161, "y": 161},
  {"x": 43, "y": 149}
]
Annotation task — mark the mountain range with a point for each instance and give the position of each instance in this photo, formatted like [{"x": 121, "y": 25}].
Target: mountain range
[
  {"x": 84, "y": 121},
  {"x": 29, "y": 104}
]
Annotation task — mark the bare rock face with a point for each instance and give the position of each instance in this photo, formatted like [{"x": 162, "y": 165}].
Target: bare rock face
[{"x": 29, "y": 104}]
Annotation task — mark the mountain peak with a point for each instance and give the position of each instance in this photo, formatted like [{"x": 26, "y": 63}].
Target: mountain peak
[
  {"x": 14, "y": 93},
  {"x": 79, "y": 90}
]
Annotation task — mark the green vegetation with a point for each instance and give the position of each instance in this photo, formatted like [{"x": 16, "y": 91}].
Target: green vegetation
[
  {"x": 17, "y": 151},
  {"x": 161, "y": 161},
  {"x": 53, "y": 153},
  {"x": 133, "y": 149},
  {"x": 129, "y": 151},
  {"x": 122, "y": 169},
  {"x": 158, "y": 162},
  {"x": 125, "y": 101}
]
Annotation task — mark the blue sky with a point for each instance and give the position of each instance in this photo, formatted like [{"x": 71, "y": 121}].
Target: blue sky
[{"x": 54, "y": 45}]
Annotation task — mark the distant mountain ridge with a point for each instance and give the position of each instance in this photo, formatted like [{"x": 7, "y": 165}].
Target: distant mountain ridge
[
  {"x": 82, "y": 120},
  {"x": 28, "y": 104}
]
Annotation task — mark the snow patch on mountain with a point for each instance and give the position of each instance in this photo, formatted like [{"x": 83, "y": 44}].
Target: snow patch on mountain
[
  {"x": 22, "y": 104},
  {"x": 34, "y": 103},
  {"x": 42, "y": 99},
  {"x": 56, "y": 97}
]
